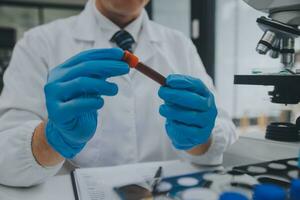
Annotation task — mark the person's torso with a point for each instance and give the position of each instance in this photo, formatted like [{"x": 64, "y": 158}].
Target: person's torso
[{"x": 130, "y": 128}]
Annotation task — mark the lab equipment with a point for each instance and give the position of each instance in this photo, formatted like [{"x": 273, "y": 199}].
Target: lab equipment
[
  {"x": 212, "y": 183},
  {"x": 232, "y": 196},
  {"x": 206, "y": 185},
  {"x": 279, "y": 172},
  {"x": 133, "y": 62},
  {"x": 72, "y": 112},
  {"x": 189, "y": 109},
  {"x": 239, "y": 183},
  {"x": 269, "y": 192},
  {"x": 281, "y": 28},
  {"x": 295, "y": 190}
]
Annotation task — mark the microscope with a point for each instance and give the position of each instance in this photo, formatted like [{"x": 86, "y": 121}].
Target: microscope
[{"x": 281, "y": 28}]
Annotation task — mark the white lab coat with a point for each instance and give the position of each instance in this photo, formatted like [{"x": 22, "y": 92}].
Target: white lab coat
[{"x": 130, "y": 128}]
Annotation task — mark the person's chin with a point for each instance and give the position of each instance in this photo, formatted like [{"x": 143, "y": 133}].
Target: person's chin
[{"x": 126, "y": 12}]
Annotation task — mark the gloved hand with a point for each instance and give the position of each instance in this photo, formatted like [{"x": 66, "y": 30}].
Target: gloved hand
[
  {"x": 73, "y": 96},
  {"x": 189, "y": 109}
]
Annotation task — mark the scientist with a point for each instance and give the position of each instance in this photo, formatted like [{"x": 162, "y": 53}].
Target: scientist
[{"x": 69, "y": 96}]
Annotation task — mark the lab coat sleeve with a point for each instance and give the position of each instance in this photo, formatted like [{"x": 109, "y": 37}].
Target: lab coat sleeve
[
  {"x": 21, "y": 110},
  {"x": 224, "y": 133}
]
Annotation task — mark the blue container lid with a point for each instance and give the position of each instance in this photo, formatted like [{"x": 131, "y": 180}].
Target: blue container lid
[
  {"x": 232, "y": 196},
  {"x": 269, "y": 192},
  {"x": 295, "y": 190}
]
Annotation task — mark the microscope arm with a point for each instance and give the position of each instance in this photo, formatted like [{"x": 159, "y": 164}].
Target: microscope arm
[{"x": 281, "y": 28}]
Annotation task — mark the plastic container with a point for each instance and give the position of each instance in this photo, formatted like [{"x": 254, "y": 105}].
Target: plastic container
[
  {"x": 232, "y": 196},
  {"x": 269, "y": 192},
  {"x": 295, "y": 190}
]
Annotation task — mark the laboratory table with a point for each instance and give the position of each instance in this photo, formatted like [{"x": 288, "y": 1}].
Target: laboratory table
[{"x": 60, "y": 187}]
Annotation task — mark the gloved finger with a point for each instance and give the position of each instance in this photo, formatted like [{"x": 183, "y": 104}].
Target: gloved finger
[
  {"x": 85, "y": 86},
  {"x": 185, "y": 134},
  {"x": 186, "y": 137},
  {"x": 100, "y": 68},
  {"x": 81, "y": 136},
  {"x": 187, "y": 99},
  {"x": 94, "y": 54},
  {"x": 189, "y": 83},
  {"x": 189, "y": 117},
  {"x": 81, "y": 105},
  {"x": 180, "y": 141},
  {"x": 192, "y": 132}
]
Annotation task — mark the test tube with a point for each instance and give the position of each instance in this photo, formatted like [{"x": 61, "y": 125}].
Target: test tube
[{"x": 133, "y": 62}]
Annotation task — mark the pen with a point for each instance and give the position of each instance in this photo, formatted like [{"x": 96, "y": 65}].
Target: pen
[{"x": 157, "y": 178}]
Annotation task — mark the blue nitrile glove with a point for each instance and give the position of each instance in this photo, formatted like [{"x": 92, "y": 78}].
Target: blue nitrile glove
[
  {"x": 189, "y": 109},
  {"x": 73, "y": 96}
]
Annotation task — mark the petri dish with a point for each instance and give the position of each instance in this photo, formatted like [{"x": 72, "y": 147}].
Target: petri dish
[
  {"x": 293, "y": 163},
  {"x": 199, "y": 194},
  {"x": 277, "y": 166},
  {"x": 293, "y": 174},
  {"x": 256, "y": 169},
  {"x": 187, "y": 181},
  {"x": 217, "y": 177},
  {"x": 164, "y": 186}
]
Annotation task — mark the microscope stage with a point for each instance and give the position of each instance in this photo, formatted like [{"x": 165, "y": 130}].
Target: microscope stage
[
  {"x": 286, "y": 87},
  {"x": 273, "y": 80}
]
